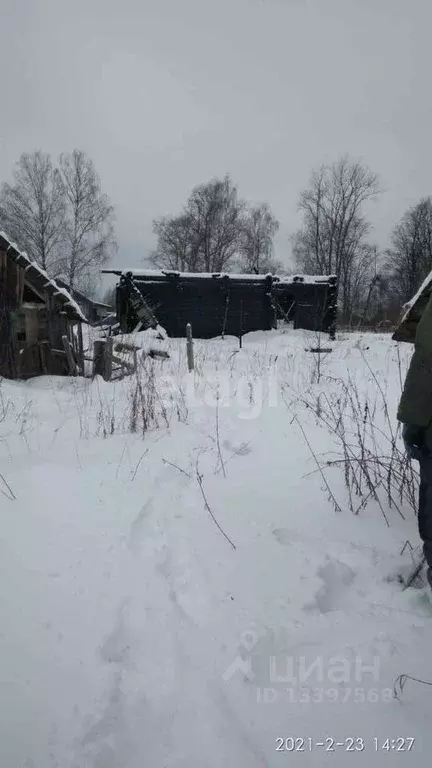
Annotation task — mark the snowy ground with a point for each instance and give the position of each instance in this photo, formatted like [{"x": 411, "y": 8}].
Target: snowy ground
[{"x": 135, "y": 632}]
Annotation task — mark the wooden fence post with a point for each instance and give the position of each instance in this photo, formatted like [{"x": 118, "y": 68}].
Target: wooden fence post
[
  {"x": 108, "y": 358},
  {"x": 44, "y": 353},
  {"x": 98, "y": 357},
  {"x": 189, "y": 347},
  {"x": 80, "y": 348},
  {"x": 103, "y": 358}
]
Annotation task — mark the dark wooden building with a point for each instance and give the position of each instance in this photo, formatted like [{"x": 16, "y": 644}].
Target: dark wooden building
[
  {"x": 40, "y": 323},
  {"x": 308, "y": 301},
  {"x": 218, "y": 304}
]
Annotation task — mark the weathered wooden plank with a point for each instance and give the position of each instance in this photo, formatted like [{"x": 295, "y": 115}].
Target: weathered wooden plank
[
  {"x": 103, "y": 358},
  {"x": 189, "y": 347},
  {"x": 99, "y": 358},
  {"x": 80, "y": 356},
  {"x": 73, "y": 368}
]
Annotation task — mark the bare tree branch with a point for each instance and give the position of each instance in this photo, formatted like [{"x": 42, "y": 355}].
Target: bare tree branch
[
  {"x": 207, "y": 235},
  {"x": 259, "y": 229},
  {"x": 88, "y": 229},
  {"x": 32, "y": 208},
  {"x": 409, "y": 260},
  {"x": 332, "y": 237}
]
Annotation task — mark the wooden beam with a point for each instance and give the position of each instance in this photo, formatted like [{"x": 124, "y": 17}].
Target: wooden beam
[
  {"x": 98, "y": 358},
  {"x": 189, "y": 347},
  {"x": 73, "y": 368},
  {"x": 103, "y": 358},
  {"x": 80, "y": 347}
]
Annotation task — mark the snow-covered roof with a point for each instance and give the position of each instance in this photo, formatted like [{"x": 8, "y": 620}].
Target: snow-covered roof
[
  {"x": 80, "y": 296},
  {"x": 39, "y": 277},
  {"x": 306, "y": 279},
  {"x": 156, "y": 275}
]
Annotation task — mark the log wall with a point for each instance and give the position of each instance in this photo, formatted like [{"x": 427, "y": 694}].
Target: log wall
[{"x": 224, "y": 304}]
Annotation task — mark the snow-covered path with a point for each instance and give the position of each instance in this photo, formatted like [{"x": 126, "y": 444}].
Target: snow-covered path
[{"x": 133, "y": 634}]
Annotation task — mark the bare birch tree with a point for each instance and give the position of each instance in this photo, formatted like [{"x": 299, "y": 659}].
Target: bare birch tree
[
  {"x": 332, "y": 237},
  {"x": 88, "y": 229},
  {"x": 409, "y": 260},
  {"x": 207, "y": 235},
  {"x": 175, "y": 244},
  {"x": 259, "y": 230},
  {"x": 32, "y": 209},
  {"x": 216, "y": 220}
]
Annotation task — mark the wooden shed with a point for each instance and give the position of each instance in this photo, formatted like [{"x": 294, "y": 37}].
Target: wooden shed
[
  {"x": 224, "y": 303},
  {"x": 40, "y": 323},
  {"x": 94, "y": 311}
]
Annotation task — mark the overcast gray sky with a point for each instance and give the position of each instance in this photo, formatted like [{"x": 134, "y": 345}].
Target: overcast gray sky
[{"x": 164, "y": 94}]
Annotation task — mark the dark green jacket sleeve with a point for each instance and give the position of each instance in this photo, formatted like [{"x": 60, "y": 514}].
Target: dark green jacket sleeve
[{"x": 415, "y": 406}]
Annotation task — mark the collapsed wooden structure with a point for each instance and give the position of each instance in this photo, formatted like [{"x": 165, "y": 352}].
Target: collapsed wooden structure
[
  {"x": 222, "y": 303},
  {"x": 308, "y": 301},
  {"x": 40, "y": 323}
]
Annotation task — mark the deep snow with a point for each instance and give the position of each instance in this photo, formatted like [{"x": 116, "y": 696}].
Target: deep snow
[{"x": 133, "y": 634}]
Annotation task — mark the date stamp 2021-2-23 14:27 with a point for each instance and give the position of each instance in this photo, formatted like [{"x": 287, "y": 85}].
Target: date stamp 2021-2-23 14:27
[{"x": 348, "y": 744}]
